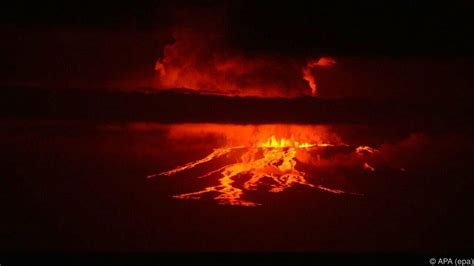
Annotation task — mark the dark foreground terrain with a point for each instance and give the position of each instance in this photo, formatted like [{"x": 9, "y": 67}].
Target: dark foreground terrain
[{"x": 81, "y": 186}]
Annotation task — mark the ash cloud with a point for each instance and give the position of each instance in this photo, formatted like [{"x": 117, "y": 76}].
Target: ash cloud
[{"x": 201, "y": 58}]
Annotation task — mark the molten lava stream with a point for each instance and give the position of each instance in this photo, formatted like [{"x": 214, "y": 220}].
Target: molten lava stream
[{"x": 273, "y": 159}]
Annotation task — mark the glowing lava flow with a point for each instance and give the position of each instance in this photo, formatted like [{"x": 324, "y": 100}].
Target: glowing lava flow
[
  {"x": 270, "y": 163},
  {"x": 215, "y": 154},
  {"x": 365, "y": 150}
]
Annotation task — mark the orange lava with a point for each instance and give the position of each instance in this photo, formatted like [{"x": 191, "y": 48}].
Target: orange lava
[
  {"x": 270, "y": 163},
  {"x": 215, "y": 154}
]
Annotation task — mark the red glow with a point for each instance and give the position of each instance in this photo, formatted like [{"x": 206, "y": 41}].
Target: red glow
[
  {"x": 200, "y": 61},
  {"x": 269, "y": 156},
  {"x": 308, "y": 72}
]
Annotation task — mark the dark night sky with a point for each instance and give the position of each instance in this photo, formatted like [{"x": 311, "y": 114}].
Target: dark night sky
[
  {"x": 67, "y": 44},
  {"x": 394, "y": 27}
]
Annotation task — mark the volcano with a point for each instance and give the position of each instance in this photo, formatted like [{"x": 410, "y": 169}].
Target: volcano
[
  {"x": 274, "y": 160},
  {"x": 236, "y": 126}
]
